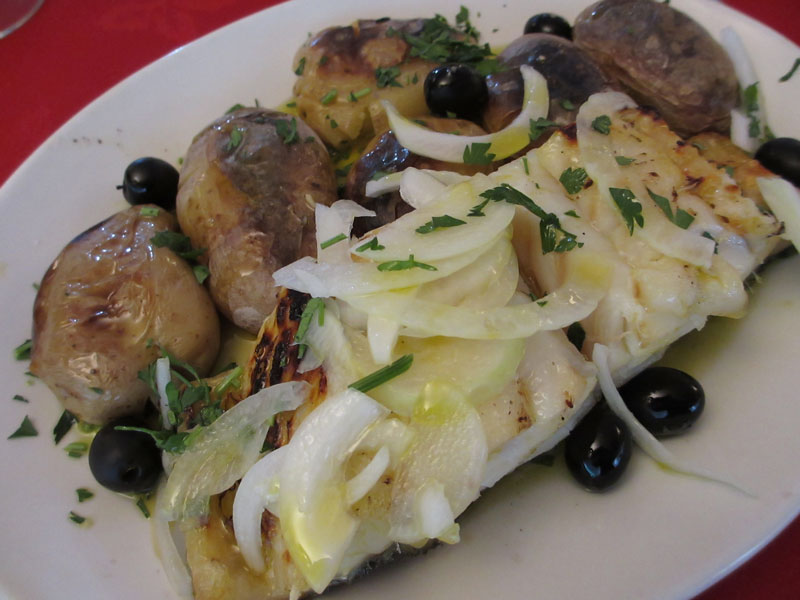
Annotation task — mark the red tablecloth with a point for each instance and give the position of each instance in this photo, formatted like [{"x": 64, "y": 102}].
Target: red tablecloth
[{"x": 71, "y": 52}]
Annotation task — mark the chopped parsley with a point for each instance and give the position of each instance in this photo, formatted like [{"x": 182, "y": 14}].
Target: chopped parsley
[
  {"x": 315, "y": 305},
  {"x": 26, "y": 429},
  {"x": 554, "y": 237},
  {"x": 681, "y": 218},
  {"x": 387, "y": 77},
  {"x": 201, "y": 273},
  {"x": 23, "y": 351},
  {"x": 232, "y": 379},
  {"x": 629, "y": 206},
  {"x": 324, "y": 60},
  {"x": 707, "y": 235},
  {"x": 788, "y": 75},
  {"x": 439, "y": 223},
  {"x": 331, "y": 241},
  {"x": 19, "y": 398},
  {"x": 373, "y": 244},
  {"x": 567, "y": 104},
  {"x": 441, "y": 43},
  {"x": 64, "y": 424},
  {"x": 149, "y": 211},
  {"x": 477, "y": 154},
  {"x": 572, "y": 213},
  {"x": 301, "y": 65},
  {"x": 573, "y": 179},
  {"x": 84, "y": 494},
  {"x": 750, "y": 100},
  {"x": 234, "y": 108},
  {"x": 355, "y": 96},
  {"x": 329, "y": 97},
  {"x": 76, "y": 518},
  {"x": 174, "y": 443},
  {"x": 381, "y": 376},
  {"x": 538, "y": 127},
  {"x": 287, "y": 130},
  {"x": 178, "y": 243},
  {"x": 76, "y": 449},
  {"x": 602, "y": 124},
  {"x": 525, "y": 164},
  {"x": 333, "y": 124},
  {"x": 403, "y": 265},
  {"x": 234, "y": 139},
  {"x": 624, "y": 161},
  {"x": 141, "y": 504}
]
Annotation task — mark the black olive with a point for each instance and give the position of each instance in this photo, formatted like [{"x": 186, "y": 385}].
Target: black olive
[
  {"x": 598, "y": 450},
  {"x": 549, "y": 23},
  {"x": 125, "y": 461},
  {"x": 665, "y": 400},
  {"x": 782, "y": 157},
  {"x": 456, "y": 90},
  {"x": 150, "y": 180}
]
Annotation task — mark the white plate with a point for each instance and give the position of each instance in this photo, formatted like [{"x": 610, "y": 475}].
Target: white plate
[{"x": 534, "y": 534}]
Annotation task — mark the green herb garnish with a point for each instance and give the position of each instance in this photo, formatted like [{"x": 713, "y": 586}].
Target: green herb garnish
[
  {"x": 234, "y": 139},
  {"x": 624, "y": 160},
  {"x": 232, "y": 379},
  {"x": 381, "y": 376},
  {"x": 142, "y": 506},
  {"x": 324, "y": 60},
  {"x": 315, "y": 305},
  {"x": 19, "y": 398},
  {"x": 538, "y": 127},
  {"x": 439, "y": 223},
  {"x": 387, "y": 76},
  {"x": 602, "y": 124},
  {"x": 630, "y": 208},
  {"x": 149, "y": 211},
  {"x": 301, "y": 65},
  {"x": 329, "y": 97},
  {"x": 681, "y": 218},
  {"x": 178, "y": 243},
  {"x": 174, "y": 443},
  {"x": 788, "y": 75},
  {"x": 64, "y": 424},
  {"x": 373, "y": 244},
  {"x": 201, "y": 273},
  {"x": 750, "y": 101},
  {"x": 567, "y": 105},
  {"x": 476, "y": 154},
  {"x": 84, "y": 494},
  {"x": 287, "y": 130},
  {"x": 403, "y": 265},
  {"x": 707, "y": 235},
  {"x": 525, "y": 164},
  {"x": 76, "y": 518},
  {"x": 572, "y": 213},
  {"x": 355, "y": 96},
  {"x": 333, "y": 124},
  {"x": 554, "y": 237},
  {"x": 234, "y": 108},
  {"x": 76, "y": 449},
  {"x": 331, "y": 241},
  {"x": 26, "y": 429},
  {"x": 23, "y": 351},
  {"x": 573, "y": 179}
]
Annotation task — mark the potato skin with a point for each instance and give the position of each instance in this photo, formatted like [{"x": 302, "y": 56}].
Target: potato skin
[
  {"x": 663, "y": 59},
  {"x": 107, "y": 293},
  {"x": 248, "y": 198},
  {"x": 571, "y": 76}
]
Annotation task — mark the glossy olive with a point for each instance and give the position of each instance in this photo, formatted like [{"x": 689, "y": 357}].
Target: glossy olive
[
  {"x": 549, "y": 23},
  {"x": 782, "y": 157},
  {"x": 456, "y": 90},
  {"x": 598, "y": 450},
  {"x": 150, "y": 180},
  {"x": 665, "y": 400},
  {"x": 125, "y": 461}
]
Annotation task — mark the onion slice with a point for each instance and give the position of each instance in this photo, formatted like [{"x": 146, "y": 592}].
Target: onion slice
[
  {"x": 450, "y": 147},
  {"x": 643, "y": 438},
  {"x": 783, "y": 200}
]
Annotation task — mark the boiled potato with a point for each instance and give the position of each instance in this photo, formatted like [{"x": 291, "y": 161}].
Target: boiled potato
[
  {"x": 663, "y": 59},
  {"x": 104, "y": 307},
  {"x": 247, "y": 192}
]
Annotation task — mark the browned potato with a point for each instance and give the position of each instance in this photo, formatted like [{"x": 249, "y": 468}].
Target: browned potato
[
  {"x": 384, "y": 154},
  {"x": 344, "y": 61},
  {"x": 247, "y": 192},
  {"x": 662, "y": 58},
  {"x": 107, "y": 294},
  {"x": 572, "y": 76}
]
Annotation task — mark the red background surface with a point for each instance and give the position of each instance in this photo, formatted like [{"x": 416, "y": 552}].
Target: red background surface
[{"x": 72, "y": 51}]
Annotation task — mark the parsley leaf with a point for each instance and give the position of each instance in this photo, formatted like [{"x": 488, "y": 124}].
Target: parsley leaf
[
  {"x": 707, "y": 235},
  {"x": 19, "y": 398},
  {"x": 630, "y": 208},
  {"x": 65, "y": 422},
  {"x": 438, "y": 42},
  {"x": 301, "y": 65},
  {"x": 149, "y": 211},
  {"x": 178, "y": 243},
  {"x": 331, "y": 241},
  {"x": 23, "y": 351},
  {"x": 623, "y": 161},
  {"x": 788, "y": 75},
  {"x": 554, "y": 237},
  {"x": 234, "y": 108},
  {"x": 387, "y": 77},
  {"x": 476, "y": 154},
  {"x": 750, "y": 99},
  {"x": 76, "y": 518},
  {"x": 315, "y": 305},
  {"x": 681, "y": 218},
  {"x": 403, "y": 265},
  {"x": 234, "y": 139},
  {"x": 381, "y": 376},
  {"x": 572, "y": 213},
  {"x": 174, "y": 443},
  {"x": 439, "y": 223},
  {"x": 26, "y": 429},
  {"x": 567, "y": 104},
  {"x": 84, "y": 494},
  {"x": 602, "y": 124},
  {"x": 538, "y": 127},
  {"x": 287, "y": 130},
  {"x": 201, "y": 273},
  {"x": 573, "y": 179},
  {"x": 329, "y": 97}
]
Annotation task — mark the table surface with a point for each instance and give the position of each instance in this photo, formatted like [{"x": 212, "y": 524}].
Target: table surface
[{"x": 71, "y": 52}]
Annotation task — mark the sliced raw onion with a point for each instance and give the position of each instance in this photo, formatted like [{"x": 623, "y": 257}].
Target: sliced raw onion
[
  {"x": 257, "y": 492},
  {"x": 175, "y": 567},
  {"x": 783, "y": 200},
  {"x": 224, "y": 451},
  {"x": 597, "y": 154},
  {"x": 358, "y": 486},
  {"x": 335, "y": 221},
  {"x": 163, "y": 377},
  {"x": 643, "y": 438},
  {"x": 450, "y": 147}
]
